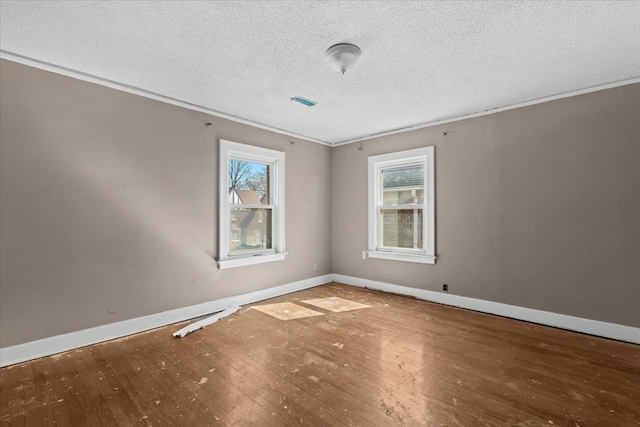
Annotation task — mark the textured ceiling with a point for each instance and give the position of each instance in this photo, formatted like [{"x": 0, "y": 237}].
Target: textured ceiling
[{"x": 421, "y": 61}]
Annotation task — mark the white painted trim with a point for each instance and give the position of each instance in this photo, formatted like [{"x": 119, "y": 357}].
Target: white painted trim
[
  {"x": 425, "y": 155},
  {"x": 542, "y": 100},
  {"x": 72, "y": 340},
  {"x": 592, "y": 327},
  {"x": 276, "y": 161},
  {"x": 250, "y": 260},
  {"x": 9, "y": 56},
  {"x": 406, "y": 257}
]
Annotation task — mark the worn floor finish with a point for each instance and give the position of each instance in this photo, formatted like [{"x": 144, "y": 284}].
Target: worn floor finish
[
  {"x": 398, "y": 362},
  {"x": 286, "y": 311}
]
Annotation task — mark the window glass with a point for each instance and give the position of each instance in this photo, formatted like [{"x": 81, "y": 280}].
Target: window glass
[
  {"x": 403, "y": 185},
  {"x": 402, "y": 228},
  {"x": 253, "y": 235},
  {"x": 251, "y": 205},
  {"x": 250, "y": 181},
  {"x": 402, "y": 206}
]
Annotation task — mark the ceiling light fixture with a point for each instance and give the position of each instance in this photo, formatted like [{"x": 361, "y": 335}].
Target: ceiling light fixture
[{"x": 343, "y": 56}]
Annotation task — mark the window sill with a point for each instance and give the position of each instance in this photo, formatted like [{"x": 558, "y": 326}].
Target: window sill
[
  {"x": 395, "y": 256},
  {"x": 250, "y": 260}
]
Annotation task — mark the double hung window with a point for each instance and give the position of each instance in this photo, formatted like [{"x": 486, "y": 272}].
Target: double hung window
[
  {"x": 251, "y": 217},
  {"x": 402, "y": 206}
]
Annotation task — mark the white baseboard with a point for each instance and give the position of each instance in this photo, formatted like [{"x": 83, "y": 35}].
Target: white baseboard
[
  {"x": 72, "y": 340},
  {"x": 60, "y": 343},
  {"x": 578, "y": 324}
]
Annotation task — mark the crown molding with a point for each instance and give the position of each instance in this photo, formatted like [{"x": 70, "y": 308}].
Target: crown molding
[
  {"x": 490, "y": 111},
  {"x": 9, "y": 56}
]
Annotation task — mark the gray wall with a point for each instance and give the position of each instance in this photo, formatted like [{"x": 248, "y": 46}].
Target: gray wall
[
  {"x": 108, "y": 206},
  {"x": 537, "y": 207}
]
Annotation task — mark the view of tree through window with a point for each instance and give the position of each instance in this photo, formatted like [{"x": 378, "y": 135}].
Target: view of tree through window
[
  {"x": 251, "y": 211},
  {"x": 251, "y": 205},
  {"x": 245, "y": 175}
]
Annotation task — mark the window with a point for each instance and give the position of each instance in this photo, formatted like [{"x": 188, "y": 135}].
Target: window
[
  {"x": 251, "y": 217},
  {"x": 402, "y": 206}
]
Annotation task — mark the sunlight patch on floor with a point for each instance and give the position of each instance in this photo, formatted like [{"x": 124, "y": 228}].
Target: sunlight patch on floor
[
  {"x": 335, "y": 304},
  {"x": 286, "y": 311}
]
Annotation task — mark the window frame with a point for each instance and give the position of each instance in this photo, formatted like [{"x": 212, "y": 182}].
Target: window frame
[
  {"x": 230, "y": 150},
  {"x": 426, "y": 156}
]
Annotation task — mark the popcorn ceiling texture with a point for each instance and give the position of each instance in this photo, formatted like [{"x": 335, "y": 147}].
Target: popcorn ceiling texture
[{"x": 421, "y": 61}]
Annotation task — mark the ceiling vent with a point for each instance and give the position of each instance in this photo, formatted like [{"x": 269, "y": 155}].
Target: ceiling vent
[
  {"x": 343, "y": 56},
  {"x": 303, "y": 101}
]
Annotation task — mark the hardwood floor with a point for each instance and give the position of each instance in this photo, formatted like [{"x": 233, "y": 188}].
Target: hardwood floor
[{"x": 401, "y": 362}]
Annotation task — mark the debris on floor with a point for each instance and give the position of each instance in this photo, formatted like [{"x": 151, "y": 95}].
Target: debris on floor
[{"x": 206, "y": 322}]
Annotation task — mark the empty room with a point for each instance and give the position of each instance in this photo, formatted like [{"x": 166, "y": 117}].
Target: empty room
[{"x": 320, "y": 213}]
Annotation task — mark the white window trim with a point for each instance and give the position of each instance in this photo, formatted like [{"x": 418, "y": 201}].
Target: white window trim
[
  {"x": 234, "y": 150},
  {"x": 376, "y": 163}
]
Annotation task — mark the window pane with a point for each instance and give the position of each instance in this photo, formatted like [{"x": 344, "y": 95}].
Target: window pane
[
  {"x": 248, "y": 183},
  {"x": 401, "y": 228},
  {"x": 403, "y": 185},
  {"x": 250, "y": 231}
]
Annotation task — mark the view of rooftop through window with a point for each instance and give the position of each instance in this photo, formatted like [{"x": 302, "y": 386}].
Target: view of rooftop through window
[
  {"x": 251, "y": 176},
  {"x": 402, "y": 199}
]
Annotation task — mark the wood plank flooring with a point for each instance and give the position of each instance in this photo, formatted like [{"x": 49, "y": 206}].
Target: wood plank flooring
[{"x": 400, "y": 362}]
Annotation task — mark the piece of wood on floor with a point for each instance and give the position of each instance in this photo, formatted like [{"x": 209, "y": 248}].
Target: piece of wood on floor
[{"x": 206, "y": 321}]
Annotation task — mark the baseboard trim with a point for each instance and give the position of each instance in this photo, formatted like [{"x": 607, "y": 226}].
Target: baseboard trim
[
  {"x": 60, "y": 343},
  {"x": 592, "y": 327}
]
